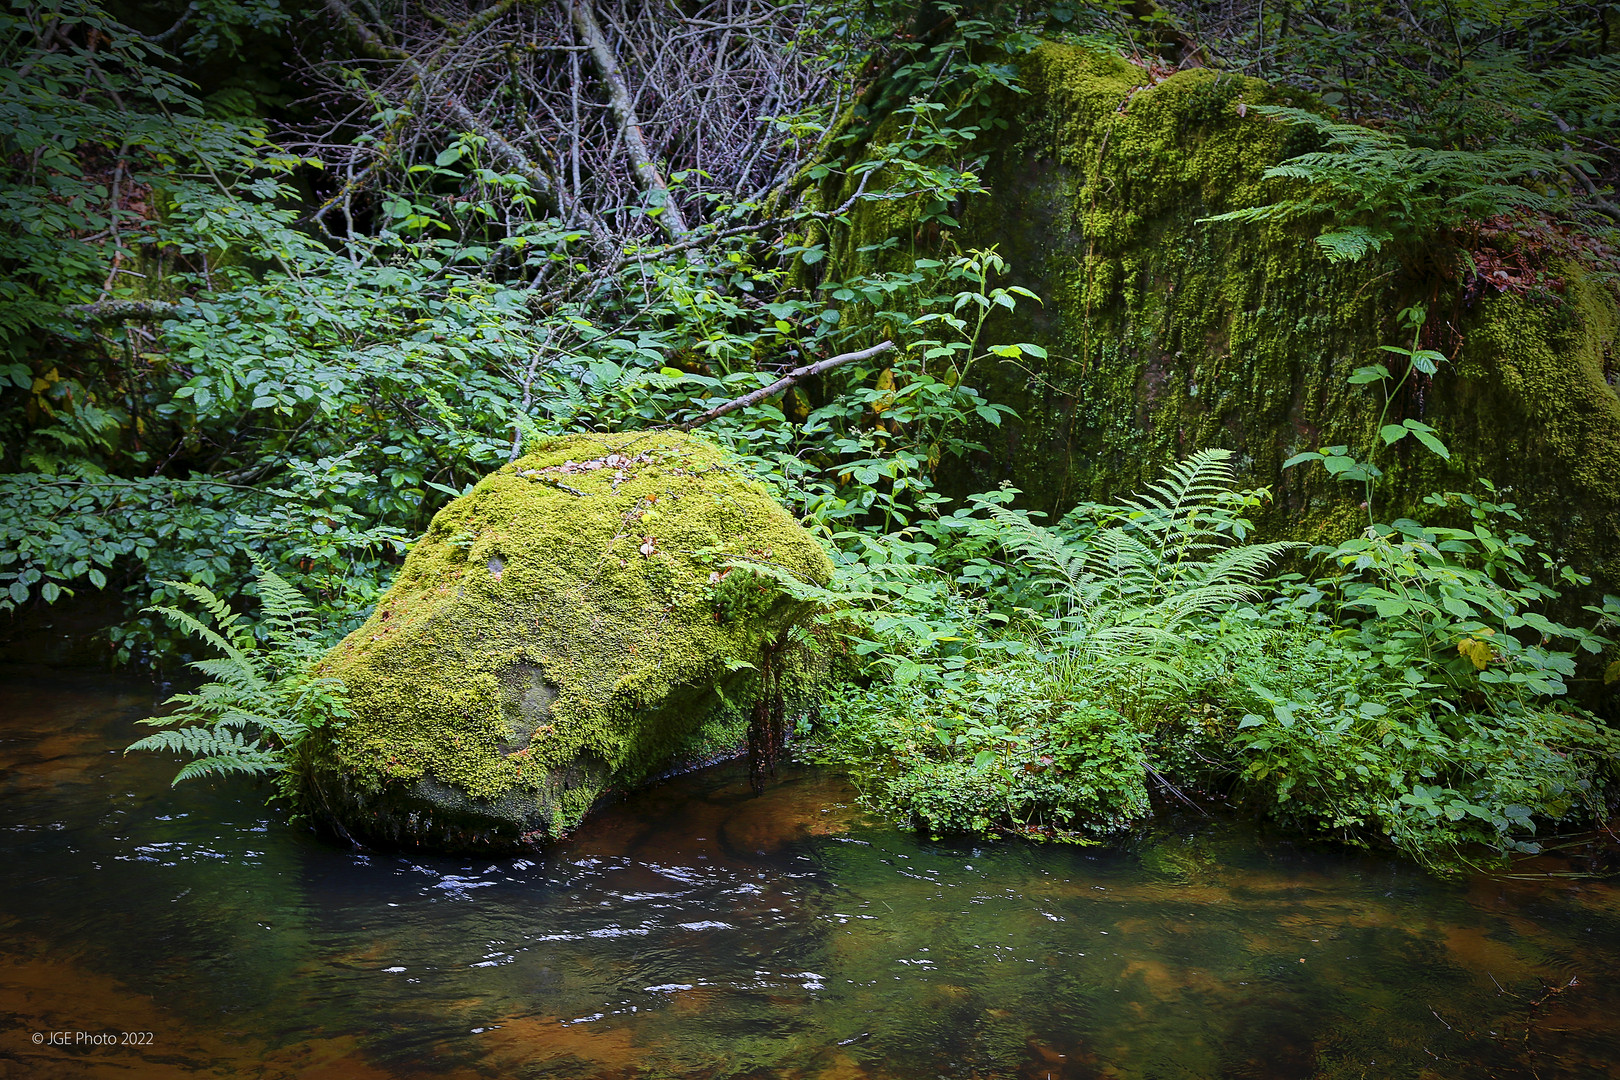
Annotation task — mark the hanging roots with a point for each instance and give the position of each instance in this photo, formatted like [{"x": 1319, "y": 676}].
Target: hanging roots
[{"x": 767, "y": 730}]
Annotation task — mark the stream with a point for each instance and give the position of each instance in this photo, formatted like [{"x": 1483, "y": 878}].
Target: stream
[{"x": 694, "y": 930}]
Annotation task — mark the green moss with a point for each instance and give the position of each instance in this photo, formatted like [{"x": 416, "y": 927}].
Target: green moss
[
  {"x": 1167, "y": 334},
  {"x": 558, "y": 631},
  {"x": 1534, "y": 386}
]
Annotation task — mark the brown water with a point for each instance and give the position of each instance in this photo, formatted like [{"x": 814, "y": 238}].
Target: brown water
[{"x": 696, "y": 931}]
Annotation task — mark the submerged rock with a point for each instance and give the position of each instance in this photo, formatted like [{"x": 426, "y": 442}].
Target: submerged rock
[{"x": 567, "y": 628}]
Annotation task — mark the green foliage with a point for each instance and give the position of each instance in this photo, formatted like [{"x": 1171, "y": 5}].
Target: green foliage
[
  {"x": 1364, "y": 726},
  {"x": 1410, "y": 694},
  {"x": 995, "y": 753},
  {"x": 322, "y": 397},
  {"x": 1374, "y": 187},
  {"x": 1435, "y": 113},
  {"x": 1053, "y": 719},
  {"x": 199, "y": 365},
  {"x": 260, "y": 704}
]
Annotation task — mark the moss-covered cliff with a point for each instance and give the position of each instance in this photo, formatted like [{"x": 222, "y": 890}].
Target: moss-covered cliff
[
  {"x": 566, "y": 627},
  {"x": 1167, "y": 334}
]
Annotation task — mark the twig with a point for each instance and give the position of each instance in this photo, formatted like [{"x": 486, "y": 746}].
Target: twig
[
  {"x": 792, "y": 378},
  {"x": 624, "y": 115}
]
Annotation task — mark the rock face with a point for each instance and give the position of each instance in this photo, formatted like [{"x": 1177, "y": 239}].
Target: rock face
[
  {"x": 1168, "y": 333},
  {"x": 566, "y": 628}
]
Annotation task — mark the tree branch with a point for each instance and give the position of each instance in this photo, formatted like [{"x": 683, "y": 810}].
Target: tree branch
[
  {"x": 792, "y": 378},
  {"x": 515, "y": 159},
  {"x": 107, "y": 311},
  {"x": 624, "y": 115}
]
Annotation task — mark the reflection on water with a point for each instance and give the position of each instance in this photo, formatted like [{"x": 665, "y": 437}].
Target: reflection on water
[{"x": 697, "y": 931}]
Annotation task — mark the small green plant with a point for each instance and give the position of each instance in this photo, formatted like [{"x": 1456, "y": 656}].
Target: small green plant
[
  {"x": 261, "y": 702},
  {"x": 1130, "y": 584},
  {"x": 1340, "y": 461}
]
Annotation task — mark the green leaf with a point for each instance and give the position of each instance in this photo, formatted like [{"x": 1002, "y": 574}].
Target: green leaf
[
  {"x": 1433, "y": 443},
  {"x": 1369, "y": 374},
  {"x": 1427, "y": 361},
  {"x": 1393, "y": 433}
]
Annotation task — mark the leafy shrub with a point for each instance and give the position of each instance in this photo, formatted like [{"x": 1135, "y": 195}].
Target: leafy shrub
[
  {"x": 1044, "y": 728},
  {"x": 1409, "y": 695}
]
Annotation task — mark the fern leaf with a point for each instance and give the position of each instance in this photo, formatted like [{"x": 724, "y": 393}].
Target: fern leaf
[
  {"x": 197, "y": 628},
  {"x": 249, "y": 764},
  {"x": 286, "y": 614},
  {"x": 1352, "y": 242}
]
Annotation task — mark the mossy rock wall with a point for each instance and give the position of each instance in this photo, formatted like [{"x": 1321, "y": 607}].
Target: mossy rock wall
[
  {"x": 566, "y": 628},
  {"x": 1167, "y": 334}
]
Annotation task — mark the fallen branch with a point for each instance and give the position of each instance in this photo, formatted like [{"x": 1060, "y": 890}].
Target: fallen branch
[
  {"x": 792, "y": 378},
  {"x": 106, "y": 311},
  {"x": 648, "y": 177},
  {"x": 539, "y": 183}
]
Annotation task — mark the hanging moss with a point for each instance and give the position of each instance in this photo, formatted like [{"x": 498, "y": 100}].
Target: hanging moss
[
  {"x": 566, "y": 628},
  {"x": 1167, "y": 334}
]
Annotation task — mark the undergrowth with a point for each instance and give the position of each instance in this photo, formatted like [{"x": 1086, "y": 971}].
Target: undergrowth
[{"x": 1044, "y": 679}]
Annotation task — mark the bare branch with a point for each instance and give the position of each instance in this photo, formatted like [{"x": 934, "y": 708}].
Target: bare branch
[
  {"x": 792, "y": 378},
  {"x": 607, "y": 66}
]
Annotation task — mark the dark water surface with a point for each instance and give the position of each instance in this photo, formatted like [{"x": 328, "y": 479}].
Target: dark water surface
[{"x": 696, "y": 931}]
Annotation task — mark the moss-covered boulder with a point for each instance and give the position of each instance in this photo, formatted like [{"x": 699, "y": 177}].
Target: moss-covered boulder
[
  {"x": 566, "y": 628},
  {"x": 1168, "y": 333}
]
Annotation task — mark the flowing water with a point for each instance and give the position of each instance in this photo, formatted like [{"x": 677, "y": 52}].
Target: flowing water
[{"x": 697, "y": 931}]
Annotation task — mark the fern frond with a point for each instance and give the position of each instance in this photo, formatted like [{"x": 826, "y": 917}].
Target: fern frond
[
  {"x": 1057, "y": 561},
  {"x": 199, "y": 629},
  {"x": 258, "y": 704},
  {"x": 1198, "y": 481},
  {"x": 286, "y": 614},
  {"x": 240, "y": 672},
  {"x": 1352, "y": 242},
  {"x": 216, "y": 752},
  {"x": 248, "y": 764},
  {"x": 1248, "y": 562}
]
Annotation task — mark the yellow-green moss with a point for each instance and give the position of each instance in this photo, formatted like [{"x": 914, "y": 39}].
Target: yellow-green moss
[{"x": 583, "y": 570}]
